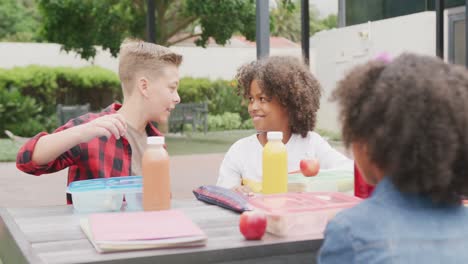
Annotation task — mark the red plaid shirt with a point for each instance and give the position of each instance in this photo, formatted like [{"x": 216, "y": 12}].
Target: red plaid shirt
[{"x": 98, "y": 158}]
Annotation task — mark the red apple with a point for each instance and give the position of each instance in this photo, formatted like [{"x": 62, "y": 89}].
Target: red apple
[
  {"x": 252, "y": 225},
  {"x": 309, "y": 167}
]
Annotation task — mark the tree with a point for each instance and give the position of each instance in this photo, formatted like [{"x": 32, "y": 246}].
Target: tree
[
  {"x": 79, "y": 25},
  {"x": 331, "y": 21},
  {"x": 19, "y": 20},
  {"x": 287, "y": 20},
  {"x": 316, "y": 25}
]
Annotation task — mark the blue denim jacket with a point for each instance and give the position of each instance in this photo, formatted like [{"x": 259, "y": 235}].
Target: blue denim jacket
[{"x": 393, "y": 227}]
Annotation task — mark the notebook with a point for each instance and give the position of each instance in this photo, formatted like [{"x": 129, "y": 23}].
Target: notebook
[{"x": 110, "y": 232}]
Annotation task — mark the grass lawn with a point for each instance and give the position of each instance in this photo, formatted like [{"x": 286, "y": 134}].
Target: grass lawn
[
  {"x": 195, "y": 143},
  {"x": 190, "y": 143},
  {"x": 8, "y": 150},
  {"x": 198, "y": 143}
]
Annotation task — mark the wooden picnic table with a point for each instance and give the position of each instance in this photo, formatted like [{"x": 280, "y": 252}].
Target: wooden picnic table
[{"x": 52, "y": 235}]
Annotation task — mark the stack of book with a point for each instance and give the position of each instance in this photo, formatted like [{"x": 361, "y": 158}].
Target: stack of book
[{"x": 109, "y": 232}]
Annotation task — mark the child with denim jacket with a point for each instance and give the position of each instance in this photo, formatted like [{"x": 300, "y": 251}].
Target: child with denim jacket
[{"x": 406, "y": 122}]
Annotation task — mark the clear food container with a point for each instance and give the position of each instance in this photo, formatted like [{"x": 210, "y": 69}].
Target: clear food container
[
  {"x": 332, "y": 180},
  {"x": 293, "y": 214},
  {"x": 106, "y": 194}
]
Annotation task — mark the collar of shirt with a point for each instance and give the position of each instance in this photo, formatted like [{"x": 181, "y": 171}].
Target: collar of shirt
[
  {"x": 151, "y": 130},
  {"x": 387, "y": 193}
]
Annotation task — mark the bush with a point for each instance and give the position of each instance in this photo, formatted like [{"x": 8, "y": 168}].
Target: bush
[
  {"x": 215, "y": 122},
  {"x": 195, "y": 90},
  {"x": 33, "y": 81},
  {"x": 231, "y": 121},
  {"x": 29, "y": 95},
  {"x": 19, "y": 114},
  {"x": 226, "y": 121},
  {"x": 227, "y": 100},
  {"x": 94, "y": 85},
  {"x": 220, "y": 95},
  {"x": 188, "y": 128},
  {"x": 247, "y": 124},
  {"x": 63, "y": 85}
]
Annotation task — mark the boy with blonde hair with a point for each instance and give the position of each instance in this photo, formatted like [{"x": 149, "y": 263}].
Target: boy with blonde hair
[{"x": 111, "y": 143}]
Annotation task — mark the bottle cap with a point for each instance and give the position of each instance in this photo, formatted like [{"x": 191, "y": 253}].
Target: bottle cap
[
  {"x": 275, "y": 135},
  {"x": 155, "y": 140}
]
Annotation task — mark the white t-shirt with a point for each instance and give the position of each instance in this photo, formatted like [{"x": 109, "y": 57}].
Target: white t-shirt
[{"x": 244, "y": 158}]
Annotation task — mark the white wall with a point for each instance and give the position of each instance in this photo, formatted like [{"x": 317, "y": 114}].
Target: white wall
[
  {"x": 221, "y": 62},
  {"x": 332, "y": 52},
  {"x": 337, "y": 50},
  {"x": 213, "y": 62}
]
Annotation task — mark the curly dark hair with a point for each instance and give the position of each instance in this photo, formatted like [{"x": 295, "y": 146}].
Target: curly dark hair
[
  {"x": 291, "y": 82},
  {"x": 412, "y": 114}
]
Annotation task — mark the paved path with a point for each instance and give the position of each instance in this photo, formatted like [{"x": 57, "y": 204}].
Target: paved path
[{"x": 18, "y": 189}]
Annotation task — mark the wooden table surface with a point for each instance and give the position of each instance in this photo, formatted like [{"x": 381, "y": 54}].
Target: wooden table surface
[{"x": 53, "y": 235}]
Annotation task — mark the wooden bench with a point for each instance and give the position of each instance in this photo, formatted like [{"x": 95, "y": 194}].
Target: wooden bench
[
  {"x": 64, "y": 113},
  {"x": 195, "y": 114},
  {"x": 67, "y": 112}
]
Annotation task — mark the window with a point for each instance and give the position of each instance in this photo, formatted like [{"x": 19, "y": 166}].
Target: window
[
  {"x": 448, "y": 3},
  {"x": 456, "y": 41},
  {"x": 361, "y": 11}
]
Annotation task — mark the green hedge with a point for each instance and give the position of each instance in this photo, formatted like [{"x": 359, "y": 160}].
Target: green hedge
[
  {"x": 220, "y": 95},
  {"x": 20, "y": 114},
  {"x": 221, "y": 122},
  {"x": 53, "y": 85},
  {"x": 29, "y": 95}
]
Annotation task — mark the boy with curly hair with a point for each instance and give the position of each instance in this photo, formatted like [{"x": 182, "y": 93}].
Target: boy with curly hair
[
  {"x": 111, "y": 143},
  {"x": 406, "y": 122},
  {"x": 282, "y": 95}
]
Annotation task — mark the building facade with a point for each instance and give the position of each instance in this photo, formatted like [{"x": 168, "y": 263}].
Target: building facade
[{"x": 362, "y": 11}]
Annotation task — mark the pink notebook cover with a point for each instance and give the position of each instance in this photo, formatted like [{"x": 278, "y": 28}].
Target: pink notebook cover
[{"x": 130, "y": 226}]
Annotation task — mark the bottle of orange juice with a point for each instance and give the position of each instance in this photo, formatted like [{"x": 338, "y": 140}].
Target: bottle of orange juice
[
  {"x": 156, "y": 178},
  {"x": 275, "y": 164}
]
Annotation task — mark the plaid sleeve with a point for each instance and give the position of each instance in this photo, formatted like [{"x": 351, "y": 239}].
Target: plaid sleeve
[{"x": 25, "y": 163}]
